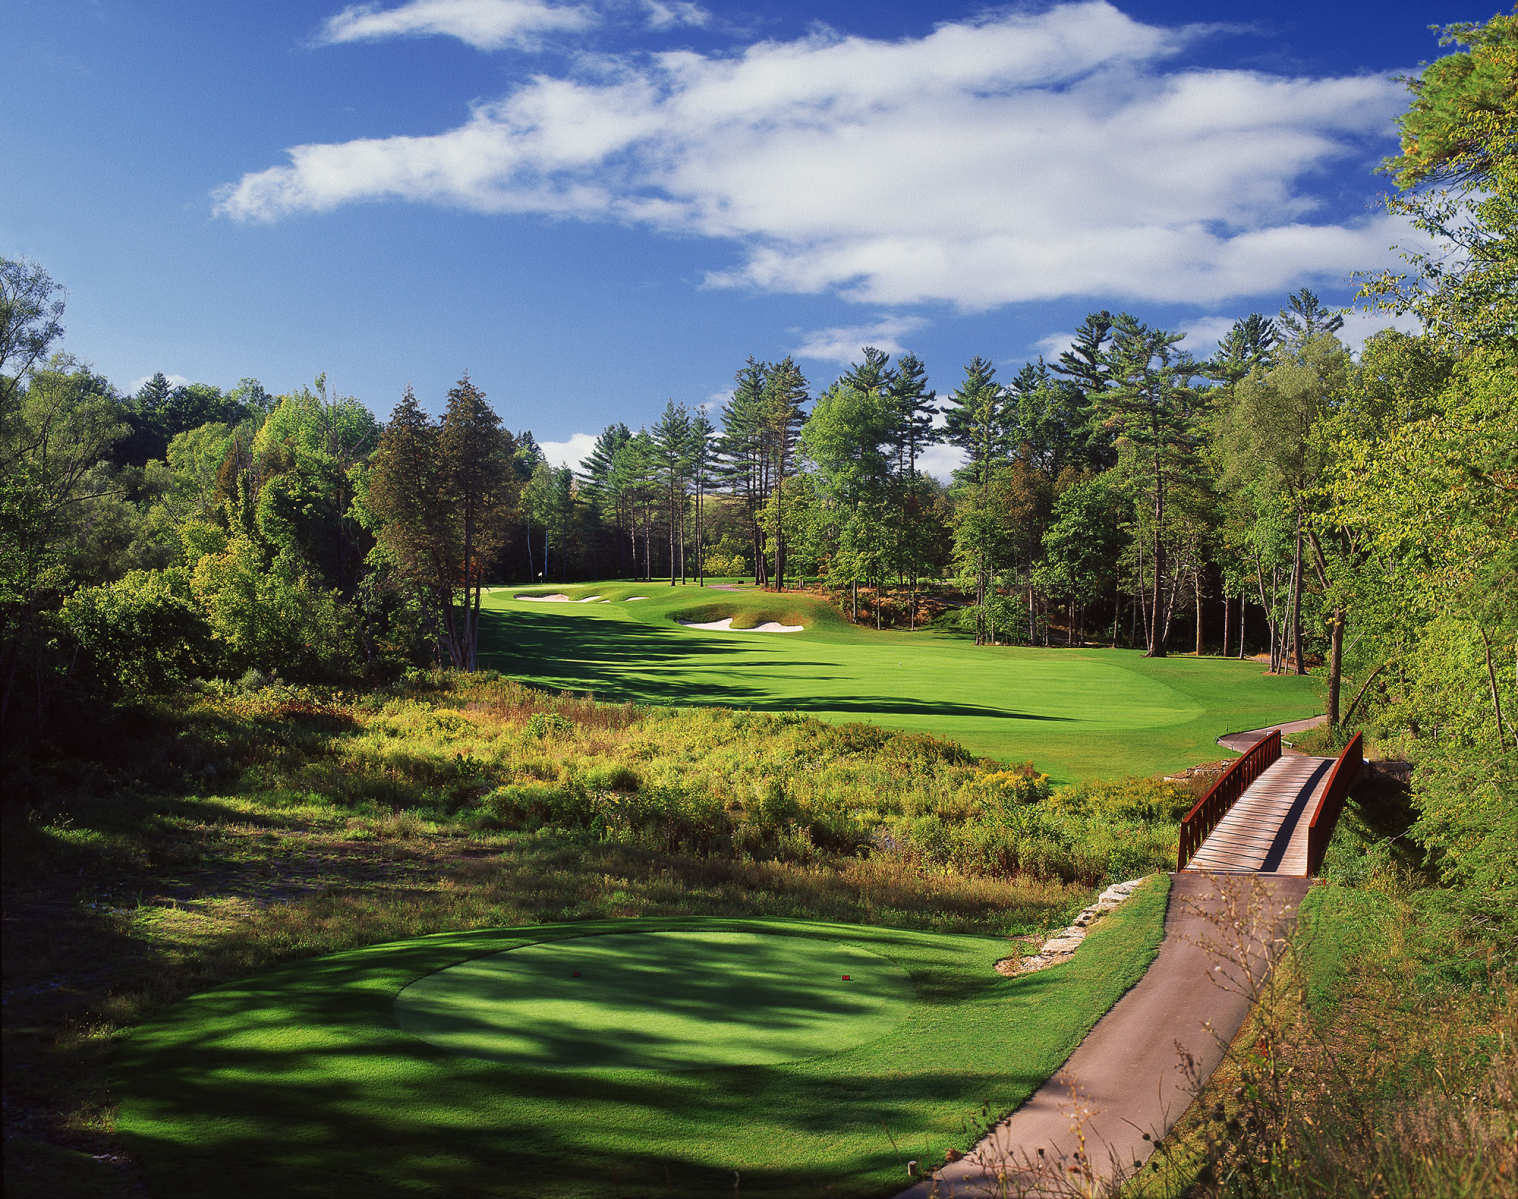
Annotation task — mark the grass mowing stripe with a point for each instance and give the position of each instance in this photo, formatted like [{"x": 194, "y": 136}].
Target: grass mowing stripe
[
  {"x": 300, "y": 1082},
  {"x": 1076, "y": 713}
]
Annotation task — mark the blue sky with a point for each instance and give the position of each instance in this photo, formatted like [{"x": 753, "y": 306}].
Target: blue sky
[{"x": 595, "y": 205}]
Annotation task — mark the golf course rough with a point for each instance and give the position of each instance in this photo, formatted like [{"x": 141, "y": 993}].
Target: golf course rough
[
  {"x": 303, "y": 1080},
  {"x": 680, "y": 999}
]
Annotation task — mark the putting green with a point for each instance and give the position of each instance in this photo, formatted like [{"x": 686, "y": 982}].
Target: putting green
[{"x": 674, "y": 1000}]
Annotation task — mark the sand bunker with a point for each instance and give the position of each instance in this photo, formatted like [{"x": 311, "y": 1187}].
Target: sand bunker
[
  {"x": 632, "y": 598},
  {"x": 560, "y": 598},
  {"x": 726, "y": 626}
]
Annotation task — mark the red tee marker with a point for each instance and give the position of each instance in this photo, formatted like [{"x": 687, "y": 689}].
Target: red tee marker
[
  {"x": 845, "y": 978},
  {"x": 576, "y": 974}
]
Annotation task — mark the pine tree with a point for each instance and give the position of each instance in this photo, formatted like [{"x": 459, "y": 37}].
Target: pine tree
[
  {"x": 785, "y": 393},
  {"x": 1150, "y": 406},
  {"x": 477, "y": 485},
  {"x": 1249, "y": 345},
  {"x": 740, "y": 451},
  {"x": 672, "y": 443}
]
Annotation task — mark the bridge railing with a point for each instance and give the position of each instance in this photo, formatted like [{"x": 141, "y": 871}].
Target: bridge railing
[
  {"x": 1346, "y": 770},
  {"x": 1198, "y": 823}
]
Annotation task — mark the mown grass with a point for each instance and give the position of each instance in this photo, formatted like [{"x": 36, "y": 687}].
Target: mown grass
[
  {"x": 1076, "y": 713},
  {"x": 302, "y": 1078},
  {"x": 171, "y": 848}
]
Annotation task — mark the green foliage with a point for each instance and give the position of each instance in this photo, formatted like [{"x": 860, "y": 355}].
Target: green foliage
[
  {"x": 272, "y": 615},
  {"x": 546, "y": 724},
  {"x": 141, "y": 635}
]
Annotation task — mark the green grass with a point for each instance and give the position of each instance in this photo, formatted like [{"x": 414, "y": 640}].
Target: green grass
[
  {"x": 671, "y": 1000},
  {"x": 1076, "y": 714},
  {"x": 300, "y": 1081}
]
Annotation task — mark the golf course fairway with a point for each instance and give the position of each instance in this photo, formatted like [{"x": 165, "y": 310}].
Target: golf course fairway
[
  {"x": 1075, "y": 713},
  {"x": 308, "y": 1080}
]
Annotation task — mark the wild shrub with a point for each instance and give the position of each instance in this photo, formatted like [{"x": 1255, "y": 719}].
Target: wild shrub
[{"x": 547, "y": 724}]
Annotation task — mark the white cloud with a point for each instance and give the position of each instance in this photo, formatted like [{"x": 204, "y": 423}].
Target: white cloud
[
  {"x": 843, "y": 343},
  {"x": 484, "y": 24},
  {"x": 1022, "y": 156},
  {"x": 941, "y": 461},
  {"x": 666, "y": 14},
  {"x": 568, "y": 453},
  {"x": 1204, "y": 332},
  {"x": 1361, "y": 324},
  {"x": 1055, "y": 344}
]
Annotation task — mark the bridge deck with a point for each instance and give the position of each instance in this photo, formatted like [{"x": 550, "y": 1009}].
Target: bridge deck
[{"x": 1265, "y": 832}]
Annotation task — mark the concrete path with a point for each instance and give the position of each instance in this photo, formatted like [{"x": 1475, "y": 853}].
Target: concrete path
[
  {"x": 1239, "y": 742},
  {"x": 1135, "y": 1073}
]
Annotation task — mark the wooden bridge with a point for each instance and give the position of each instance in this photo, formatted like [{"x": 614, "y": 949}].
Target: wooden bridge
[{"x": 1269, "y": 814}]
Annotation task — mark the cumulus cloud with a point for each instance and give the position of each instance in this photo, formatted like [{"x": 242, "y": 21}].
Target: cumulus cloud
[
  {"x": 484, "y": 24},
  {"x": 666, "y": 14},
  {"x": 941, "y": 461},
  {"x": 569, "y": 453},
  {"x": 1021, "y": 156},
  {"x": 842, "y": 343}
]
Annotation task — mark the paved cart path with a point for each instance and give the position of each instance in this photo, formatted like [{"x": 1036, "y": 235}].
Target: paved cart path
[
  {"x": 1098, "y": 1119},
  {"x": 1137, "y": 1070}
]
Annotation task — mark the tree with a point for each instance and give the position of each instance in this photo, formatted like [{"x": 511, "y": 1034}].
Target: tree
[
  {"x": 31, "y": 319},
  {"x": 846, "y": 438},
  {"x": 548, "y": 501},
  {"x": 55, "y": 436},
  {"x": 476, "y": 479},
  {"x": 672, "y": 444},
  {"x": 1457, "y": 179},
  {"x": 404, "y": 493},
  {"x": 975, "y": 419},
  {"x": 1149, "y": 405},
  {"x": 442, "y": 496},
  {"x": 912, "y": 407},
  {"x": 781, "y": 417},
  {"x": 745, "y": 467},
  {"x": 1249, "y": 346},
  {"x": 700, "y": 453}
]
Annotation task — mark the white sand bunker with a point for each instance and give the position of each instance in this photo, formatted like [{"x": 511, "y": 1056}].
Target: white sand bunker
[
  {"x": 560, "y": 598},
  {"x": 633, "y": 598},
  {"x": 726, "y": 626}
]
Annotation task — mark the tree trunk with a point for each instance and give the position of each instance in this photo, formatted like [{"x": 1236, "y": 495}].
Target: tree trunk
[
  {"x": 1491, "y": 675},
  {"x": 1243, "y": 621},
  {"x": 1196, "y": 583},
  {"x": 1335, "y": 664},
  {"x": 1227, "y": 622},
  {"x": 1296, "y": 601},
  {"x": 1157, "y": 637}
]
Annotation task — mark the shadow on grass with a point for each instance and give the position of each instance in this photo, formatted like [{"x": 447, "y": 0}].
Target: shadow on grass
[
  {"x": 596, "y": 656},
  {"x": 299, "y": 1083}
]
